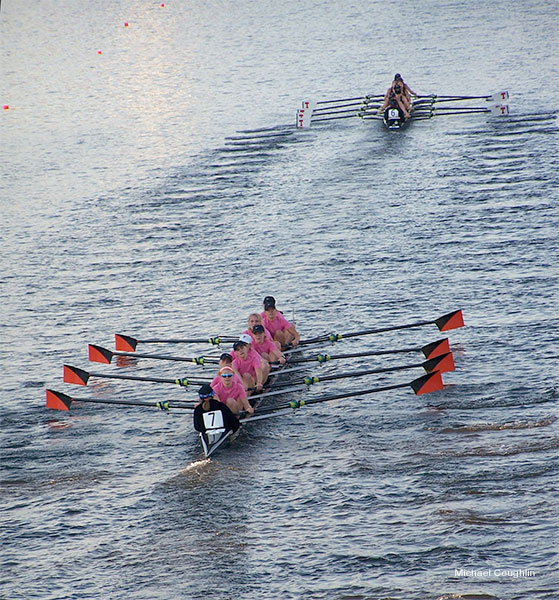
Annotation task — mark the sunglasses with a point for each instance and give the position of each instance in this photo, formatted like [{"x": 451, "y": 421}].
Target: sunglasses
[{"x": 227, "y": 375}]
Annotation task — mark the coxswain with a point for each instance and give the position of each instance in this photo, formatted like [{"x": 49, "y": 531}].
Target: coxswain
[
  {"x": 229, "y": 389},
  {"x": 266, "y": 347},
  {"x": 251, "y": 366},
  {"x": 208, "y": 403},
  {"x": 281, "y": 329}
]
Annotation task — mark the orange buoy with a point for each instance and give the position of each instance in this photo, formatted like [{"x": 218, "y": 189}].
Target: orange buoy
[{"x": 6, "y": 107}]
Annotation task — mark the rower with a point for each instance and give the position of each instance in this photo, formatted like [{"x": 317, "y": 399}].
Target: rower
[
  {"x": 256, "y": 319},
  {"x": 398, "y": 96},
  {"x": 251, "y": 366},
  {"x": 265, "y": 347},
  {"x": 229, "y": 389},
  {"x": 211, "y": 411},
  {"x": 407, "y": 92},
  {"x": 393, "y": 99},
  {"x": 226, "y": 360},
  {"x": 281, "y": 329}
]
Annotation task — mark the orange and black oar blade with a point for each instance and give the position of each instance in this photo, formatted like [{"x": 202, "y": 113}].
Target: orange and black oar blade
[
  {"x": 99, "y": 354},
  {"x": 436, "y": 348},
  {"x": 125, "y": 342},
  {"x": 431, "y": 382},
  {"x": 75, "y": 375},
  {"x": 452, "y": 320},
  {"x": 58, "y": 400},
  {"x": 443, "y": 363}
]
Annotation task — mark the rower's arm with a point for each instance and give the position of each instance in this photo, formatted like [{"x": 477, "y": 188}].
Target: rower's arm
[{"x": 296, "y": 336}]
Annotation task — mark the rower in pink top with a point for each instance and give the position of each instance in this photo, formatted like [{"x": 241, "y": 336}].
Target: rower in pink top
[
  {"x": 251, "y": 366},
  {"x": 229, "y": 389},
  {"x": 281, "y": 329},
  {"x": 264, "y": 346},
  {"x": 256, "y": 319}
]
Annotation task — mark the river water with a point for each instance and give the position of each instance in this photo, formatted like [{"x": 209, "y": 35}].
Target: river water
[{"x": 127, "y": 207}]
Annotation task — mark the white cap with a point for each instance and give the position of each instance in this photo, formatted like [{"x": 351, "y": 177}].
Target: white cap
[{"x": 245, "y": 337}]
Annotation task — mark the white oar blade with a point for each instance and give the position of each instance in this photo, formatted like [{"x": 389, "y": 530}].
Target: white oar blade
[
  {"x": 500, "y": 110},
  {"x": 500, "y": 97},
  {"x": 304, "y": 114}
]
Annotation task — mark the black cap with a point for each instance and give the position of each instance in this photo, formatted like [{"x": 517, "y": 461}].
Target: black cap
[
  {"x": 269, "y": 302},
  {"x": 226, "y": 356},
  {"x": 239, "y": 344},
  {"x": 258, "y": 329},
  {"x": 397, "y": 76},
  {"x": 205, "y": 391}
]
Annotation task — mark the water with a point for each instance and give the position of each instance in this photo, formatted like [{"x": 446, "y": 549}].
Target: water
[{"x": 127, "y": 207}]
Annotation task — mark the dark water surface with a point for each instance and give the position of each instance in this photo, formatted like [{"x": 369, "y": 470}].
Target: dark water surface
[{"x": 127, "y": 206}]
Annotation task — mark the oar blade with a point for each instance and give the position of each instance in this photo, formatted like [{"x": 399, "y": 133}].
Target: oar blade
[
  {"x": 99, "y": 354},
  {"x": 125, "y": 343},
  {"x": 75, "y": 375},
  {"x": 443, "y": 363},
  {"x": 58, "y": 400},
  {"x": 452, "y": 320},
  {"x": 499, "y": 96},
  {"x": 431, "y": 382},
  {"x": 500, "y": 110},
  {"x": 436, "y": 348}
]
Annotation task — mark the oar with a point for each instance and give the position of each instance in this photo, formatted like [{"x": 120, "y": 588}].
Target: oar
[
  {"x": 127, "y": 343},
  {"x": 102, "y": 355},
  {"x": 361, "y": 98},
  {"x": 449, "y": 321},
  {"x": 318, "y": 111},
  {"x": 429, "y": 351},
  {"x": 431, "y": 382},
  {"x": 443, "y": 364},
  {"x": 60, "y": 401},
  {"x": 346, "y": 111},
  {"x": 351, "y": 116},
  {"x": 80, "y": 377},
  {"x": 498, "y": 111},
  {"x": 497, "y": 97}
]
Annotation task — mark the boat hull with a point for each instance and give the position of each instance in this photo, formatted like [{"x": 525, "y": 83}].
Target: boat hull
[{"x": 393, "y": 118}]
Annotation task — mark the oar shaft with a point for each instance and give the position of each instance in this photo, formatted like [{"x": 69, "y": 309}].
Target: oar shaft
[
  {"x": 337, "y": 397},
  {"x": 194, "y": 381},
  {"x": 351, "y": 116},
  {"x": 325, "y": 357},
  {"x": 451, "y": 320},
  {"x": 325, "y": 337},
  {"x": 362, "y": 98}
]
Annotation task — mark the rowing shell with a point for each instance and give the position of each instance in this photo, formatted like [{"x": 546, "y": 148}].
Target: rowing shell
[{"x": 216, "y": 434}]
